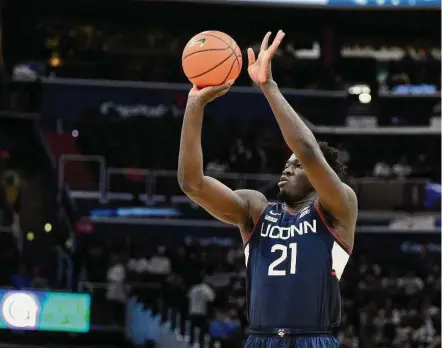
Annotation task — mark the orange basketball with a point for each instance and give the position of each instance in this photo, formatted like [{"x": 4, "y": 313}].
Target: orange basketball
[{"x": 211, "y": 58}]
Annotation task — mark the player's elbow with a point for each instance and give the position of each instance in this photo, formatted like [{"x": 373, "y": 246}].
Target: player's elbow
[
  {"x": 187, "y": 187},
  {"x": 188, "y": 184}
]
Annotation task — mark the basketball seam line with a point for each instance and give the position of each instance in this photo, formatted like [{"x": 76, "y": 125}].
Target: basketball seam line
[
  {"x": 231, "y": 67},
  {"x": 209, "y": 49},
  {"x": 216, "y": 66},
  {"x": 237, "y": 57},
  {"x": 228, "y": 45},
  {"x": 233, "y": 51}
]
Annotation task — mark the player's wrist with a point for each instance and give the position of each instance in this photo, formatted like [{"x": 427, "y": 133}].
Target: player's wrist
[
  {"x": 269, "y": 85},
  {"x": 196, "y": 102}
]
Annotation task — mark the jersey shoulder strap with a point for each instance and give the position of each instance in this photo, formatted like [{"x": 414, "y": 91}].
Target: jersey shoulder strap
[{"x": 272, "y": 209}]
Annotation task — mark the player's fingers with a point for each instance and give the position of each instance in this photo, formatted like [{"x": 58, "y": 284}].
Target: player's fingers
[
  {"x": 276, "y": 42},
  {"x": 251, "y": 56},
  {"x": 265, "y": 41},
  {"x": 220, "y": 90},
  {"x": 263, "y": 69},
  {"x": 222, "y": 93},
  {"x": 226, "y": 87}
]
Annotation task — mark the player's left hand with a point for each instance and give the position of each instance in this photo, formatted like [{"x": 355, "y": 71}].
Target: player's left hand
[{"x": 260, "y": 70}]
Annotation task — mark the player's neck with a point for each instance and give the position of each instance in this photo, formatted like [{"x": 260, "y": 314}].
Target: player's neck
[{"x": 304, "y": 202}]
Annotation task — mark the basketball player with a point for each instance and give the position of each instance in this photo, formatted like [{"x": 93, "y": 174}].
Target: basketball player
[{"x": 296, "y": 250}]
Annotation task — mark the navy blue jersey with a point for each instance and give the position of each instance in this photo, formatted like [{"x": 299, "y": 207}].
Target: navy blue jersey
[{"x": 294, "y": 263}]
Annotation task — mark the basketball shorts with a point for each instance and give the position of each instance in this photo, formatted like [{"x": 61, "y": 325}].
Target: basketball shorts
[{"x": 272, "y": 341}]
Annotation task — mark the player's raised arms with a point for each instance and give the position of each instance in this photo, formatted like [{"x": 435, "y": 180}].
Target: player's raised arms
[
  {"x": 335, "y": 197},
  {"x": 234, "y": 207}
]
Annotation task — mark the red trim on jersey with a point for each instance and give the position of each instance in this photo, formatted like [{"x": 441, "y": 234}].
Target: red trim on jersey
[
  {"x": 254, "y": 228},
  {"x": 289, "y": 210},
  {"x": 330, "y": 229}
]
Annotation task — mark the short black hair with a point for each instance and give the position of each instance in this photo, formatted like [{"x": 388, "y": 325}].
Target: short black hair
[{"x": 331, "y": 155}]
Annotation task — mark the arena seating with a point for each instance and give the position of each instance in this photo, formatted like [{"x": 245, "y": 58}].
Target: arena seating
[{"x": 391, "y": 298}]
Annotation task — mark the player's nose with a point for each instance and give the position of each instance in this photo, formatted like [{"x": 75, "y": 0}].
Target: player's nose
[{"x": 287, "y": 172}]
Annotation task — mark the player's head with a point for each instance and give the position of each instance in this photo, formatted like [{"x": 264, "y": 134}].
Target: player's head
[{"x": 294, "y": 184}]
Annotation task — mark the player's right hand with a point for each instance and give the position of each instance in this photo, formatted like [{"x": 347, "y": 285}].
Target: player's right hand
[
  {"x": 260, "y": 69},
  {"x": 208, "y": 94}
]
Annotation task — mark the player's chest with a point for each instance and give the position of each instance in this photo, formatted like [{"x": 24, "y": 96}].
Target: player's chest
[{"x": 287, "y": 227}]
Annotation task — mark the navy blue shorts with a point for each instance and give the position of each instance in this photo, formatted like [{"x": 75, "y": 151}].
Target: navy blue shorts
[{"x": 267, "y": 341}]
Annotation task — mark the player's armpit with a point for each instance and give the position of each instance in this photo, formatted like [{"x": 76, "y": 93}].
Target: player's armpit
[{"x": 233, "y": 207}]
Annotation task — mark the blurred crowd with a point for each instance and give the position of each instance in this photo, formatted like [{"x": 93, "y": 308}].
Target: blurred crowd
[
  {"x": 87, "y": 50},
  {"x": 16, "y": 271},
  {"x": 393, "y": 304},
  {"x": 243, "y": 145},
  {"x": 109, "y": 46}
]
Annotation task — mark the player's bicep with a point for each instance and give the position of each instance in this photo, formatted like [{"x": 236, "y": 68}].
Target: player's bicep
[
  {"x": 220, "y": 201},
  {"x": 334, "y": 195}
]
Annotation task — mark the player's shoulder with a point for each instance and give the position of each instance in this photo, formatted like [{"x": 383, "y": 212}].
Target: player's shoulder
[{"x": 252, "y": 197}]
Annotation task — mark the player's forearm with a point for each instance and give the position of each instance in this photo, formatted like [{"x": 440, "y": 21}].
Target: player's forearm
[
  {"x": 190, "y": 160},
  {"x": 296, "y": 134}
]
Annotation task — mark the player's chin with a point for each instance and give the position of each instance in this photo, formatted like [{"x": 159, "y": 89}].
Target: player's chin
[{"x": 283, "y": 194}]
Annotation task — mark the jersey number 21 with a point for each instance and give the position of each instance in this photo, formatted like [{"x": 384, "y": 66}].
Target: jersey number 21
[{"x": 273, "y": 267}]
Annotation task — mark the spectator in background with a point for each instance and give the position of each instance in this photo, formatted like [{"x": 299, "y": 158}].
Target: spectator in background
[
  {"x": 139, "y": 263},
  {"x": 38, "y": 281},
  {"x": 235, "y": 255},
  {"x": 424, "y": 335},
  {"x": 116, "y": 289},
  {"x": 382, "y": 170},
  {"x": 343, "y": 155},
  {"x": 411, "y": 284},
  {"x": 174, "y": 296},
  {"x": 421, "y": 168},
  {"x": 159, "y": 264},
  {"x": 21, "y": 279},
  {"x": 216, "y": 167},
  {"x": 224, "y": 331},
  {"x": 218, "y": 278},
  {"x": 261, "y": 158},
  {"x": 200, "y": 296},
  {"x": 348, "y": 339},
  {"x": 401, "y": 169},
  {"x": 12, "y": 190},
  {"x": 240, "y": 157}
]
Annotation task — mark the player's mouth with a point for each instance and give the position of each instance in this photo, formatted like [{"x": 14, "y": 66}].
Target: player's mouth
[{"x": 283, "y": 181}]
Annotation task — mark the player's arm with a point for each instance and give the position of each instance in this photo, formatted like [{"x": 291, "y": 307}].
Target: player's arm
[
  {"x": 335, "y": 196},
  {"x": 234, "y": 207}
]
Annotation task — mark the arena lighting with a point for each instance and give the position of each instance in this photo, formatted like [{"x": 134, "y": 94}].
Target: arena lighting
[
  {"x": 48, "y": 227},
  {"x": 358, "y": 89},
  {"x": 55, "y": 61},
  {"x": 329, "y": 4},
  {"x": 365, "y": 98}
]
